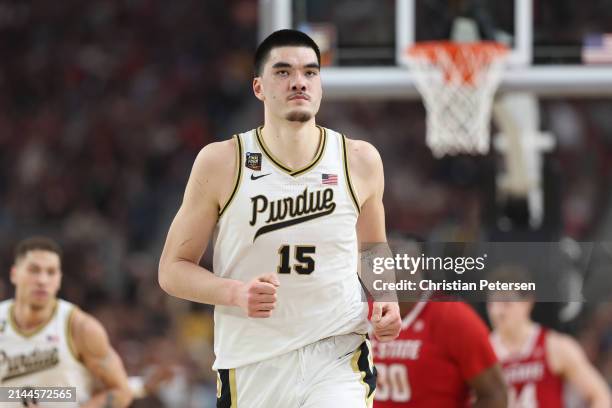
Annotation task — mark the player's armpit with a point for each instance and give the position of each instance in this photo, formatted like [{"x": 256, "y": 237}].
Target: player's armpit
[
  {"x": 94, "y": 349},
  {"x": 569, "y": 361},
  {"x": 489, "y": 388}
]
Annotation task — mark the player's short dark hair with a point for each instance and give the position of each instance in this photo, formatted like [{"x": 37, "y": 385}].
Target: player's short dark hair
[
  {"x": 282, "y": 38},
  {"x": 36, "y": 243}
]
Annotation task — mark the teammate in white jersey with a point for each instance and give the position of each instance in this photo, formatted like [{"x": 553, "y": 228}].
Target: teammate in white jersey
[
  {"x": 48, "y": 342},
  {"x": 286, "y": 217}
]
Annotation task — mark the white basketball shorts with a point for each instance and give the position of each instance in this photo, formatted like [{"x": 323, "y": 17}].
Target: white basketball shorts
[{"x": 336, "y": 372}]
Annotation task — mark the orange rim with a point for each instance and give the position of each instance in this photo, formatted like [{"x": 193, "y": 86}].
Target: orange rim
[{"x": 452, "y": 57}]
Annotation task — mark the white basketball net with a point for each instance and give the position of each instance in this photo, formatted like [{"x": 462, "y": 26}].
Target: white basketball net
[{"x": 457, "y": 83}]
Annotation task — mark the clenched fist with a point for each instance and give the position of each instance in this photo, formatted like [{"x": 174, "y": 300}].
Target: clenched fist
[
  {"x": 386, "y": 320},
  {"x": 258, "y": 297}
]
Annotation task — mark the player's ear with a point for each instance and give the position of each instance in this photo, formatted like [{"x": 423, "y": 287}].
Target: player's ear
[{"x": 258, "y": 88}]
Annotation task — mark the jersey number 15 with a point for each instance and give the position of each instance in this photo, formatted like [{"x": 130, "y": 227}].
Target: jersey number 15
[{"x": 304, "y": 265}]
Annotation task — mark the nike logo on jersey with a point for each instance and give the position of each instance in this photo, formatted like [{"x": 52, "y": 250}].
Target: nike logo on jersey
[
  {"x": 290, "y": 211},
  {"x": 254, "y": 177}
]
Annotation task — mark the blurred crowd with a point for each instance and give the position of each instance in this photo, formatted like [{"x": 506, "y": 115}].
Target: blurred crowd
[{"x": 103, "y": 108}]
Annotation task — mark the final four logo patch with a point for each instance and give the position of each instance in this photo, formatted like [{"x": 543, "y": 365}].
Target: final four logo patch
[{"x": 253, "y": 161}]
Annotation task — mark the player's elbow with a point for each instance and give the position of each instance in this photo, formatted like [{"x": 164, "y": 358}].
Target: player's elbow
[{"x": 163, "y": 276}]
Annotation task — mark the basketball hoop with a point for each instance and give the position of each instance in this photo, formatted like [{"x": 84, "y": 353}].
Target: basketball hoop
[{"x": 457, "y": 82}]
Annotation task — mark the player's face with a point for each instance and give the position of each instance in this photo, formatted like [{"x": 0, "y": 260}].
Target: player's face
[
  {"x": 506, "y": 315},
  {"x": 37, "y": 277},
  {"x": 290, "y": 84}
]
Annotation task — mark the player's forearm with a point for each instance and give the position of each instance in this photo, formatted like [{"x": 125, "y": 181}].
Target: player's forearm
[
  {"x": 186, "y": 280},
  {"x": 111, "y": 398},
  {"x": 377, "y": 279}
]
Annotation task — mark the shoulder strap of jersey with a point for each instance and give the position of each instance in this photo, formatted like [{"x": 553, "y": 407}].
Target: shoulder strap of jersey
[{"x": 347, "y": 175}]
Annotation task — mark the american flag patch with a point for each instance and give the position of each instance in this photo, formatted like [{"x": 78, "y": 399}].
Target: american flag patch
[
  {"x": 331, "y": 179},
  {"x": 597, "y": 49}
]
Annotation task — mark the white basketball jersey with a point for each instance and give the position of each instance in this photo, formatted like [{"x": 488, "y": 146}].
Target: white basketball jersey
[
  {"x": 43, "y": 358},
  {"x": 300, "y": 224}
]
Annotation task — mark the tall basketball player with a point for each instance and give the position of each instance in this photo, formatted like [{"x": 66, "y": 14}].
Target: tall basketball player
[
  {"x": 442, "y": 358},
  {"x": 538, "y": 361},
  {"x": 48, "y": 342},
  {"x": 287, "y": 204}
]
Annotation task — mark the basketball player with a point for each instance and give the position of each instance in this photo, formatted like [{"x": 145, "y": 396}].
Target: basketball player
[
  {"x": 442, "y": 358},
  {"x": 48, "y": 342},
  {"x": 287, "y": 203},
  {"x": 537, "y": 361}
]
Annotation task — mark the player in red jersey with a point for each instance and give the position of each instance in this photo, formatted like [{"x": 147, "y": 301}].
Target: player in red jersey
[
  {"x": 537, "y": 361},
  {"x": 441, "y": 359}
]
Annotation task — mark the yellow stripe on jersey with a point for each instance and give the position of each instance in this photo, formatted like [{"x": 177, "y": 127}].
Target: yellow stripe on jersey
[
  {"x": 318, "y": 156},
  {"x": 281, "y": 166},
  {"x": 69, "y": 338},
  {"x": 238, "y": 178},
  {"x": 36, "y": 330},
  {"x": 347, "y": 176}
]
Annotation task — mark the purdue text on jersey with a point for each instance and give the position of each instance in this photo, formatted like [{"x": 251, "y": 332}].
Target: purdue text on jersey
[{"x": 292, "y": 210}]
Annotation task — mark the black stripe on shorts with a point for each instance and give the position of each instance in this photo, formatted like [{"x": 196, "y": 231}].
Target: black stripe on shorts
[
  {"x": 364, "y": 366},
  {"x": 225, "y": 398}
]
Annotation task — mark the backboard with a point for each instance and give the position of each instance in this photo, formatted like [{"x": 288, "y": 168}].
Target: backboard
[{"x": 558, "y": 47}]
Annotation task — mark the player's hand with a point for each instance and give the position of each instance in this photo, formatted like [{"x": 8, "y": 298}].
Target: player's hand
[
  {"x": 258, "y": 297},
  {"x": 386, "y": 321}
]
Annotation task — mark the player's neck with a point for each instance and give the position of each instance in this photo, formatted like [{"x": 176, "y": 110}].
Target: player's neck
[
  {"x": 28, "y": 318},
  {"x": 515, "y": 338},
  {"x": 295, "y": 144}
]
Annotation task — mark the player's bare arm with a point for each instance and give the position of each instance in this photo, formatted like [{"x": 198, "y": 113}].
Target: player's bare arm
[
  {"x": 568, "y": 360},
  {"x": 94, "y": 350},
  {"x": 489, "y": 388},
  {"x": 368, "y": 179},
  {"x": 208, "y": 189}
]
